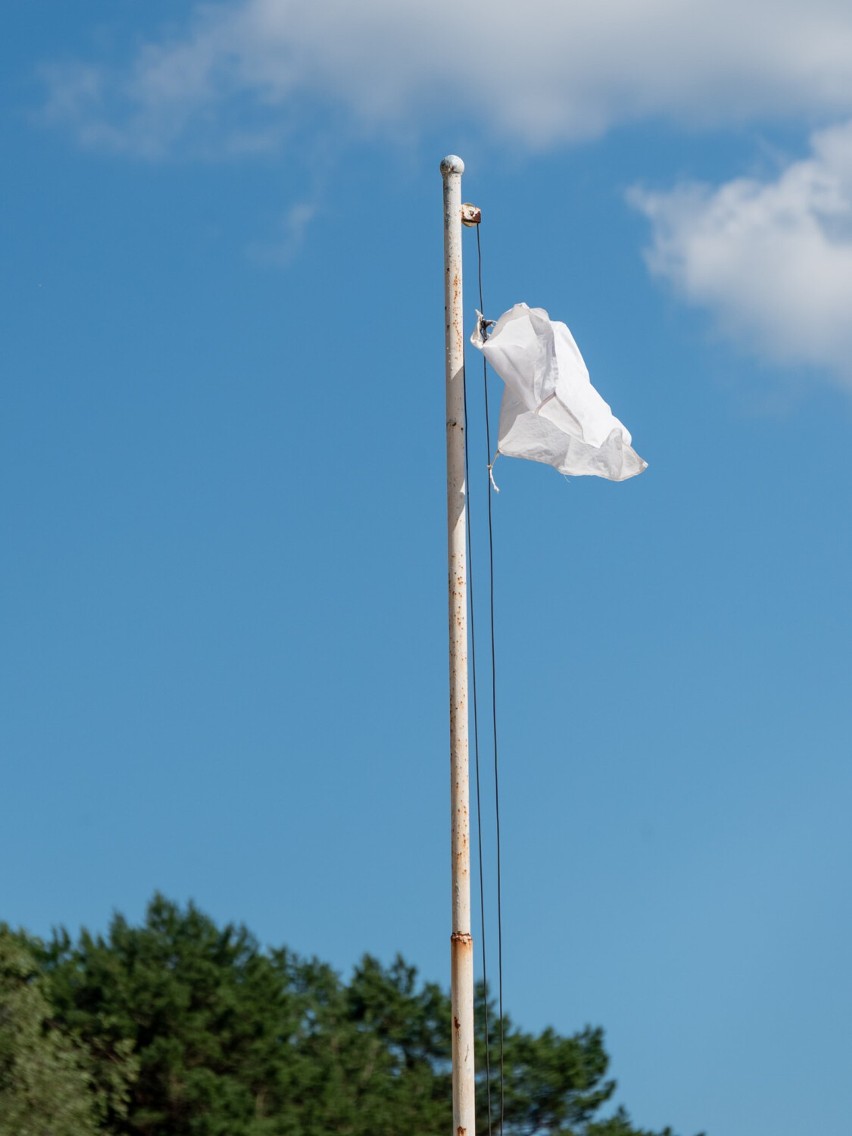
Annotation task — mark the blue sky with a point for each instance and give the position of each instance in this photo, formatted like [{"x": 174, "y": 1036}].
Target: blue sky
[{"x": 223, "y": 609}]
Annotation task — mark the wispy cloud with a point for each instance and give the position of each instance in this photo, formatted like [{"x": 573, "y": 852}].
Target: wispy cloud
[
  {"x": 772, "y": 260},
  {"x": 539, "y": 76},
  {"x": 282, "y": 247}
]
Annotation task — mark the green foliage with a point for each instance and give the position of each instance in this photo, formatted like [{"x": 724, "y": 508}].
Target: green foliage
[
  {"x": 193, "y": 1030},
  {"x": 45, "y": 1084},
  {"x": 206, "y": 1013}
]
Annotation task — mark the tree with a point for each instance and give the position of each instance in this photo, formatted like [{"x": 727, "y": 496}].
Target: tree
[
  {"x": 45, "y": 1083},
  {"x": 205, "y": 1012},
  {"x": 231, "y": 1040}
]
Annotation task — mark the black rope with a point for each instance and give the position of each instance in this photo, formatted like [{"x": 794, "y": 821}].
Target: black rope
[
  {"x": 476, "y": 756},
  {"x": 493, "y": 696}
]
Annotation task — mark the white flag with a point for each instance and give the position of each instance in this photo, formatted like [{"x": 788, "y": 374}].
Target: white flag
[{"x": 550, "y": 411}]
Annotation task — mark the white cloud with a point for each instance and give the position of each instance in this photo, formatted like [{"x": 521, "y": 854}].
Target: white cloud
[
  {"x": 772, "y": 260},
  {"x": 539, "y": 73}
]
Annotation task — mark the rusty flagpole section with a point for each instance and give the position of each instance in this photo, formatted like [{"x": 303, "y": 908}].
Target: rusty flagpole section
[{"x": 461, "y": 944}]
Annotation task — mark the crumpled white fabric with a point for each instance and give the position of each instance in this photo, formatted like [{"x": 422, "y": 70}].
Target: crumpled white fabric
[{"x": 550, "y": 411}]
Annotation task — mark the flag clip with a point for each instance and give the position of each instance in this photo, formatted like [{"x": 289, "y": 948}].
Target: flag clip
[{"x": 494, "y": 484}]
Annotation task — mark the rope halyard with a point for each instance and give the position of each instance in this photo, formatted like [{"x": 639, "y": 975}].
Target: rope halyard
[
  {"x": 471, "y": 217},
  {"x": 475, "y": 707},
  {"x": 488, "y": 451}
]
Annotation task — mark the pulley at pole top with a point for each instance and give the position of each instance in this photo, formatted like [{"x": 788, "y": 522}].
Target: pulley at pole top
[{"x": 470, "y": 215}]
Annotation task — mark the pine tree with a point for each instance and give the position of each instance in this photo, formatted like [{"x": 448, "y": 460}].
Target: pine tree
[{"x": 232, "y": 1040}]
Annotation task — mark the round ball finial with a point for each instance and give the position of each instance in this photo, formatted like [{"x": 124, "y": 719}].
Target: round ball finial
[{"x": 452, "y": 164}]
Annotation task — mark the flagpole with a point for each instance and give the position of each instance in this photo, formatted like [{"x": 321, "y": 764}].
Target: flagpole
[{"x": 461, "y": 949}]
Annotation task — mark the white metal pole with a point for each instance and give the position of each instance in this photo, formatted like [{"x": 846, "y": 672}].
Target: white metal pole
[{"x": 464, "y": 1089}]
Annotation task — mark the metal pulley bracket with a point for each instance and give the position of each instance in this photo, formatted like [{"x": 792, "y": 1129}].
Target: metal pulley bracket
[{"x": 470, "y": 215}]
